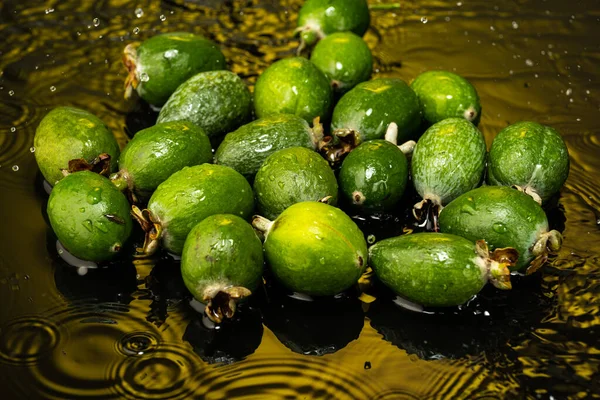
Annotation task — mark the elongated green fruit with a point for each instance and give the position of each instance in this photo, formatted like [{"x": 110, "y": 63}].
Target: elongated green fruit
[
  {"x": 437, "y": 269},
  {"x": 157, "y": 152},
  {"x": 68, "y": 133},
  {"x": 344, "y": 58},
  {"x": 290, "y": 176},
  {"x": 186, "y": 198},
  {"x": 293, "y": 86},
  {"x": 319, "y": 18},
  {"x": 448, "y": 160},
  {"x": 503, "y": 217},
  {"x": 446, "y": 95},
  {"x": 531, "y": 156},
  {"x": 314, "y": 248},
  {"x": 89, "y": 215},
  {"x": 249, "y": 146},
  {"x": 371, "y": 106},
  {"x": 217, "y": 101},
  {"x": 160, "y": 64},
  {"x": 221, "y": 263}
]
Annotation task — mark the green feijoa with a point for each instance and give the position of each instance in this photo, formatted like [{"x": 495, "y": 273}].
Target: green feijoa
[
  {"x": 293, "y": 86},
  {"x": 371, "y": 106},
  {"x": 503, "y": 217},
  {"x": 186, "y": 198},
  {"x": 344, "y": 58},
  {"x": 160, "y": 64},
  {"x": 68, "y": 133},
  {"x": 531, "y": 156},
  {"x": 314, "y": 248},
  {"x": 157, "y": 152},
  {"x": 221, "y": 263},
  {"x": 438, "y": 269},
  {"x": 374, "y": 175},
  {"x": 319, "y": 18},
  {"x": 445, "y": 95},
  {"x": 217, "y": 101},
  {"x": 290, "y": 176},
  {"x": 89, "y": 215},
  {"x": 448, "y": 160},
  {"x": 247, "y": 148}
]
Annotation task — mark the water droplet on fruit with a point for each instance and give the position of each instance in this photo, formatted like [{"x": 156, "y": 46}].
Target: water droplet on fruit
[
  {"x": 171, "y": 53},
  {"x": 371, "y": 239},
  {"x": 281, "y": 185},
  {"x": 82, "y": 210},
  {"x": 318, "y": 237},
  {"x": 468, "y": 209},
  {"x": 144, "y": 77},
  {"x": 499, "y": 227},
  {"x": 94, "y": 196},
  {"x": 15, "y": 168},
  {"x": 322, "y": 260},
  {"x": 101, "y": 227},
  {"x": 424, "y": 20},
  {"x": 87, "y": 224}
]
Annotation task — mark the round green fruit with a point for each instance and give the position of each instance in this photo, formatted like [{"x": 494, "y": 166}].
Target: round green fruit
[
  {"x": 157, "y": 152},
  {"x": 290, "y": 176},
  {"x": 187, "y": 197},
  {"x": 345, "y": 59},
  {"x": 437, "y": 269},
  {"x": 68, "y": 133},
  {"x": 531, "y": 156},
  {"x": 374, "y": 175},
  {"x": 217, "y": 101},
  {"x": 293, "y": 86},
  {"x": 248, "y": 147},
  {"x": 89, "y": 215},
  {"x": 371, "y": 106},
  {"x": 160, "y": 64},
  {"x": 314, "y": 248},
  {"x": 319, "y": 18},
  {"x": 221, "y": 263},
  {"x": 446, "y": 95}
]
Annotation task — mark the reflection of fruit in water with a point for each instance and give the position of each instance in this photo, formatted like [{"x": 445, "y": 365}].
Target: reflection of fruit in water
[
  {"x": 486, "y": 323},
  {"x": 234, "y": 339},
  {"x": 315, "y": 327}
]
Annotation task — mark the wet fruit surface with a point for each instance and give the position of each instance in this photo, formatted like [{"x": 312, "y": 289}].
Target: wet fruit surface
[{"x": 123, "y": 333}]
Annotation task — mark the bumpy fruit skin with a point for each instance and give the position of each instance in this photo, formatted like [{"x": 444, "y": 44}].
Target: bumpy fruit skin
[
  {"x": 446, "y": 95},
  {"x": 89, "y": 215},
  {"x": 502, "y": 216},
  {"x": 315, "y": 249},
  {"x": 68, "y": 133},
  {"x": 371, "y": 106},
  {"x": 448, "y": 160},
  {"x": 248, "y": 147},
  {"x": 217, "y": 101},
  {"x": 531, "y": 155},
  {"x": 293, "y": 86},
  {"x": 431, "y": 269},
  {"x": 194, "y": 193},
  {"x": 319, "y": 18},
  {"x": 374, "y": 175},
  {"x": 292, "y": 176},
  {"x": 157, "y": 152},
  {"x": 165, "y": 61},
  {"x": 345, "y": 59},
  {"x": 221, "y": 251}
]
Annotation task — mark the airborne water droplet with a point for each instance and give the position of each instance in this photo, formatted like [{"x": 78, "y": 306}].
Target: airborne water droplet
[
  {"x": 15, "y": 168},
  {"x": 144, "y": 77},
  {"x": 136, "y": 30},
  {"x": 371, "y": 239},
  {"x": 32, "y": 149},
  {"x": 424, "y": 20},
  {"x": 53, "y": 88},
  {"x": 162, "y": 17},
  {"x": 96, "y": 21},
  {"x": 11, "y": 92},
  {"x": 139, "y": 12}
]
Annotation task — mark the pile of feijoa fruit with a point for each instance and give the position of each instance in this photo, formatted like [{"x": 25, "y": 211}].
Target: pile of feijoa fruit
[{"x": 236, "y": 182}]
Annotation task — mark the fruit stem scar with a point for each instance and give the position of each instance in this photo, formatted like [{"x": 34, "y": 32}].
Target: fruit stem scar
[
  {"x": 153, "y": 229},
  {"x": 262, "y": 225},
  {"x": 427, "y": 212},
  {"x": 496, "y": 264},
  {"x": 334, "y": 148},
  {"x": 548, "y": 242},
  {"x": 129, "y": 59},
  {"x": 223, "y": 303}
]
